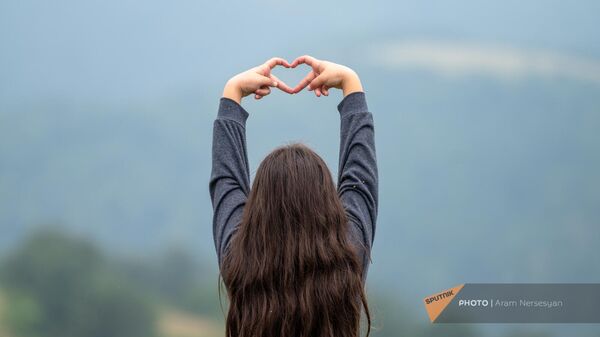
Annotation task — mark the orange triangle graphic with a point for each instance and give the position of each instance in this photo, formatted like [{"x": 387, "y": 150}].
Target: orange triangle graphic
[{"x": 436, "y": 303}]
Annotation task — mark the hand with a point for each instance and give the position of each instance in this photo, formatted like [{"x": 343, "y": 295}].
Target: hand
[
  {"x": 257, "y": 80},
  {"x": 325, "y": 75}
]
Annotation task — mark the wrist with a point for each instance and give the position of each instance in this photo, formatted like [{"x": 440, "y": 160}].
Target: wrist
[
  {"x": 351, "y": 83},
  {"x": 233, "y": 91}
]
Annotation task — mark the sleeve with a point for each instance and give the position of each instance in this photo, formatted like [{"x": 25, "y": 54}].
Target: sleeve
[
  {"x": 230, "y": 178},
  {"x": 357, "y": 175}
]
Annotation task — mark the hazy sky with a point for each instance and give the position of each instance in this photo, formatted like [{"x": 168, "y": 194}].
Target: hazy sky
[{"x": 135, "y": 50}]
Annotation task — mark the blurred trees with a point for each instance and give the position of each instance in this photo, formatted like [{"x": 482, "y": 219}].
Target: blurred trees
[
  {"x": 60, "y": 286},
  {"x": 177, "y": 279},
  {"x": 56, "y": 285}
]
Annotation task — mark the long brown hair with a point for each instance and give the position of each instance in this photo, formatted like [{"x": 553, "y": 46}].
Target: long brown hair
[{"x": 291, "y": 270}]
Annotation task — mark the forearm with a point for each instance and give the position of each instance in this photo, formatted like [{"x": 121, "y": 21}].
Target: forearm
[{"x": 229, "y": 155}]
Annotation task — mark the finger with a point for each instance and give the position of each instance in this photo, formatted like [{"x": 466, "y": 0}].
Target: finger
[
  {"x": 266, "y": 81},
  {"x": 263, "y": 91},
  {"x": 281, "y": 85},
  {"x": 306, "y": 59},
  {"x": 257, "y": 96},
  {"x": 318, "y": 82},
  {"x": 304, "y": 82},
  {"x": 318, "y": 92},
  {"x": 325, "y": 90},
  {"x": 275, "y": 61},
  {"x": 265, "y": 68}
]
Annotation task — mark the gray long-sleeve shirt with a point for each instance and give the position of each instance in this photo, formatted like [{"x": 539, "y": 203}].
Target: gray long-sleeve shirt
[{"x": 357, "y": 176}]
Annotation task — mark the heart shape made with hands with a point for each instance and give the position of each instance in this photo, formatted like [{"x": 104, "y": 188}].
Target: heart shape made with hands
[{"x": 313, "y": 63}]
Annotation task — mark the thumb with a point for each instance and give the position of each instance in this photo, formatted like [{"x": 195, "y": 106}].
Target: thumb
[
  {"x": 317, "y": 82},
  {"x": 265, "y": 81}
]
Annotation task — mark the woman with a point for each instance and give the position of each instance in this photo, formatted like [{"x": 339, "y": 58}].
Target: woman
[{"x": 293, "y": 250}]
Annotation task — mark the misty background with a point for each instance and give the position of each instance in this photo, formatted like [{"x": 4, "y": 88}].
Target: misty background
[{"x": 487, "y": 117}]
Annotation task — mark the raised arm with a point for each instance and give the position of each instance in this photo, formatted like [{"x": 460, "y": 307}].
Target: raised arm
[
  {"x": 357, "y": 175},
  {"x": 230, "y": 179}
]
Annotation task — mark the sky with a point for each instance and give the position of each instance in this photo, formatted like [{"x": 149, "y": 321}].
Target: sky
[{"x": 129, "y": 50}]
